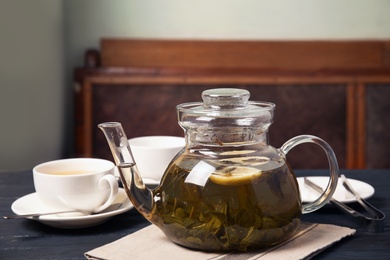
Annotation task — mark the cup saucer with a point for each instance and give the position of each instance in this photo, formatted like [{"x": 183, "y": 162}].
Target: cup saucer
[
  {"x": 32, "y": 204},
  {"x": 365, "y": 190}
]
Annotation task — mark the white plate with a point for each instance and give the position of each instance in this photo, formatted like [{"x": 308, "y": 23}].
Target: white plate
[
  {"x": 365, "y": 190},
  {"x": 32, "y": 204}
]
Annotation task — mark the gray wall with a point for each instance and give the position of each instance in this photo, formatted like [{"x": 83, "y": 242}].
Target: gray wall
[
  {"x": 43, "y": 40},
  {"x": 32, "y": 85}
]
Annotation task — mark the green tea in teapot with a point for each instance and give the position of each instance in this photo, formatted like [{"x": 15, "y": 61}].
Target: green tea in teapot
[{"x": 241, "y": 203}]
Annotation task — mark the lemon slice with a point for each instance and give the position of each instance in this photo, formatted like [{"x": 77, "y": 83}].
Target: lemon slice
[{"x": 235, "y": 175}]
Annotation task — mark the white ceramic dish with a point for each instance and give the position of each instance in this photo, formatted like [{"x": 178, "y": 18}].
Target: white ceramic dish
[
  {"x": 32, "y": 204},
  {"x": 153, "y": 154},
  {"x": 365, "y": 190}
]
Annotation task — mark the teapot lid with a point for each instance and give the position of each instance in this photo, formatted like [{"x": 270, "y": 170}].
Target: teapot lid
[{"x": 226, "y": 107}]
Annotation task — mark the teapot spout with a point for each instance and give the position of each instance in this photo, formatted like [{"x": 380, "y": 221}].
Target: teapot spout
[{"x": 138, "y": 193}]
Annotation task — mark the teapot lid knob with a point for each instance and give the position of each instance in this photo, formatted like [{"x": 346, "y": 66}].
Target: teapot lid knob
[{"x": 225, "y": 98}]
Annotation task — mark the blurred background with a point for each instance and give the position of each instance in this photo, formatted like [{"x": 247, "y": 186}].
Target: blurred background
[{"x": 42, "y": 41}]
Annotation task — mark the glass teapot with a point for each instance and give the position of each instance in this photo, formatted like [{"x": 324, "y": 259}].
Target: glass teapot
[{"x": 227, "y": 189}]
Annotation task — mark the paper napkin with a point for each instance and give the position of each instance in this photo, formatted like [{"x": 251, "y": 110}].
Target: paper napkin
[{"x": 151, "y": 243}]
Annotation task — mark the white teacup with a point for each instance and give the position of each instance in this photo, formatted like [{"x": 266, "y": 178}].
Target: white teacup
[
  {"x": 82, "y": 184},
  {"x": 153, "y": 154}
]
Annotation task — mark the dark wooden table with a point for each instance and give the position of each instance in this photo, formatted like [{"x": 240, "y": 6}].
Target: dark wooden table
[{"x": 28, "y": 239}]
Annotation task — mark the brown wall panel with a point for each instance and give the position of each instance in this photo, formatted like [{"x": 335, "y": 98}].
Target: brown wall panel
[
  {"x": 301, "y": 109},
  {"x": 378, "y": 126}
]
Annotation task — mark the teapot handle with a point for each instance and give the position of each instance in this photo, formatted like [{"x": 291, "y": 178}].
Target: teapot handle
[{"x": 333, "y": 167}]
